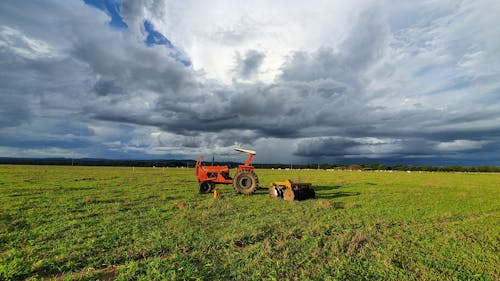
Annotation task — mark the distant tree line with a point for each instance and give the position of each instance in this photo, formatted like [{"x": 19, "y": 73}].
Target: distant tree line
[
  {"x": 383, "y": 167},
  {"x": 98, "y": 162},
  {"x": 191, "y": 163}
]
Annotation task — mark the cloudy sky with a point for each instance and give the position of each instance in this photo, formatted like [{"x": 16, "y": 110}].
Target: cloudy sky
[{"x": 411, "y": 82}]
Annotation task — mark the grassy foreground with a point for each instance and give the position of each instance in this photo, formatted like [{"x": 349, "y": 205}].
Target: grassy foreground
[{"x": 83, "y": 223}]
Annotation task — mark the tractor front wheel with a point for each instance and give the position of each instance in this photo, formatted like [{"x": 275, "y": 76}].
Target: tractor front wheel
[
  {"x": 206, "y": 187},
  {"x": 245, "y": 182}
]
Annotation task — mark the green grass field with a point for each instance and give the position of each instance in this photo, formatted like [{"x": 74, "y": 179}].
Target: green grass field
[{"x": 86, "y": 223}]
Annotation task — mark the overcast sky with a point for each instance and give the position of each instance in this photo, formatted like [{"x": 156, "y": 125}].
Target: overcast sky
[{"x": 410, "y": 82}]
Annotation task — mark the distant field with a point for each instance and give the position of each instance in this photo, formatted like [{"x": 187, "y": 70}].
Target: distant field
[{"x": 88, "y": 223}]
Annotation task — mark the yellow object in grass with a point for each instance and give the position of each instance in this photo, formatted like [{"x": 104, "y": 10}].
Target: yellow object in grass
[{"x": 216, "y": 194}]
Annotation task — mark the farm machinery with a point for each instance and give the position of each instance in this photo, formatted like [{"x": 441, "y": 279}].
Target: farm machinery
[
  {"x": 245, "y": 181},
  {"x": 291, "y": 191}
]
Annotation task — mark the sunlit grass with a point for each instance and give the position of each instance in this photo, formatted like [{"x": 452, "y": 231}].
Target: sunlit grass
[{"x": 144, "y": 223}]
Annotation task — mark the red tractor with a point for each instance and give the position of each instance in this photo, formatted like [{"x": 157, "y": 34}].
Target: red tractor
[{"x": 245, "y": 180}]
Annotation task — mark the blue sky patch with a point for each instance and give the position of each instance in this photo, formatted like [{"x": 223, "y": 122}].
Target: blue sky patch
[
  {"x": 112, "y": 8},
  {"x": 156, "y": 38}
]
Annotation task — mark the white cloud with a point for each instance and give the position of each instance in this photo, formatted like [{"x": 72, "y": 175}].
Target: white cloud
[
  {"x": 460, "y": 145},
  {"x": 358, "y": 78},
  {"x": 23, "y": 45},
  {"x": 212, "y": 32}
]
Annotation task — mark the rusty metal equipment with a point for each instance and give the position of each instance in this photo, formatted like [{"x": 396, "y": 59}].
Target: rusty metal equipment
[
  {"x": 292, "y": 191},
  {"x": 245, "y": 181}
]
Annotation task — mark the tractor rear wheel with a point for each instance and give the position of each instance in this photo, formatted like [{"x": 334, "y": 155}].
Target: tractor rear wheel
[
  {"x": 245, "y": 182},
  {"x": 206, "y": 187}
]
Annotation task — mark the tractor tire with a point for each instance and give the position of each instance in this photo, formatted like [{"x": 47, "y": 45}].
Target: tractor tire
[
  {"x": 212, "y": 187},
  {"x": 206, "y": 187},
  {"x": 245, "y": 182}
]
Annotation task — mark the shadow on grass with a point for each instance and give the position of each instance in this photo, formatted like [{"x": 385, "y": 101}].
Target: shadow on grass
[
  {"x": 329, "y": 192},
  {"x": 322, "y": 191},
  {"x": 326, "y": 187}
]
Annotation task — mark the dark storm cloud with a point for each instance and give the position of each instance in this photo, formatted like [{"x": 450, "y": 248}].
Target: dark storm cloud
[
  {"x": 325, "y": 147},
  {"x": 104, "y": 88},
  {"x": 130, "y": 65},
  {"x": 14, "y": 110},
  {"x": 364, "y": 147},
  {"x": 329, "y": 103},
  {"x": 319, "y": 89},
  {"x": 137, "y": 70}
]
